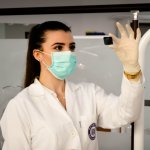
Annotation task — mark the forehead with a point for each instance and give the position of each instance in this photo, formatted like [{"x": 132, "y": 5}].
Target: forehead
[{"x": 58, "y": 36}]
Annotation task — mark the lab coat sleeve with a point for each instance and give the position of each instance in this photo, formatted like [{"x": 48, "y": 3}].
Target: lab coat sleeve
[
  {"x": 116, "y": 111},
  {"x": 14, "y": 128}
]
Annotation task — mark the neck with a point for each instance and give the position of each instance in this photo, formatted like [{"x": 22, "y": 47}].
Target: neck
[{"x": 52, "y": 83}]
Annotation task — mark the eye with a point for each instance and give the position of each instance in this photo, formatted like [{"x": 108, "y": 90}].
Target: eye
[
  {"x": 58, "y": 47},
  {"x": 72, "y": 48}
]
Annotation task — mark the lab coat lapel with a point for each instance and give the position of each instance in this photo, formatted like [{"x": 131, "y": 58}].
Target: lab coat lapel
[
  {"x": 38, "y": 93},
  {"x": 36, "y": 89},
  {"x": 71, "y": 100},
  {"x": 55, "y": 103}
]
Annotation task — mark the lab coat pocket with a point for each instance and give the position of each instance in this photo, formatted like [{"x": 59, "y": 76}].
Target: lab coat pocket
[{"x": 87, "y": 130}]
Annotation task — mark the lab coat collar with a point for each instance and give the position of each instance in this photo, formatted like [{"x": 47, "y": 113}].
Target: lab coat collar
[{"x": 37, "y": 89}]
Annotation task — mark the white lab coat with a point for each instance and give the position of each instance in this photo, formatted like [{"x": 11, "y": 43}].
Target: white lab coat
[{"x": 35, "y": 119}]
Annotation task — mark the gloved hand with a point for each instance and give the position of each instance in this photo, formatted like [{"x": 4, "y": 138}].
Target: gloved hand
[{"x": 126, "y": 48}]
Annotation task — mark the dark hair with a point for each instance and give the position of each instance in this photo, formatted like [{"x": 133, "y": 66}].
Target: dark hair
[{"x": 36, "y": 38}]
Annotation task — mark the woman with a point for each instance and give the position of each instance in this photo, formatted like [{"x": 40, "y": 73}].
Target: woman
[{"x": 54, "y": 114}]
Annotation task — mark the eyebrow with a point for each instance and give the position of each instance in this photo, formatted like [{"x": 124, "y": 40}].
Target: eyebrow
[{"x": 58, "y": 43}]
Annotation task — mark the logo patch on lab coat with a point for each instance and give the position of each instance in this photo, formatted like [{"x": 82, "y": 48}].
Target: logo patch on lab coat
[{"x": 92, "y": 131}]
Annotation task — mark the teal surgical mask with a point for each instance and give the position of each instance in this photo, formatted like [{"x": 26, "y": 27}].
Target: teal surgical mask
[{"x": 63, "y": 64}]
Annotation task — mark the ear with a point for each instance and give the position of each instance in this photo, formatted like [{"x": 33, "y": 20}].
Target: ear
[{"x": 37, "y": 55}]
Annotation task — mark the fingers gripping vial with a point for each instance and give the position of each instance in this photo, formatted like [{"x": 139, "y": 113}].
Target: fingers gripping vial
[{"x": 127, "y": 48}]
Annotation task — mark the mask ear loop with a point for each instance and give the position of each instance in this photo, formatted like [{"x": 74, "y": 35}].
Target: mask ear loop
[{"x": 45, "y": 63}]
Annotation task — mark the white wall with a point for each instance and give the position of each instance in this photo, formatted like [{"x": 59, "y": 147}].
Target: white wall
[{"x": 80, "y": 23}]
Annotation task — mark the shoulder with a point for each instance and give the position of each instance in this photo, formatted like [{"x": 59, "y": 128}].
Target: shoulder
[
  {"x": 20, "y": 96},
  {"x": 16, "y": 102},
  {"x": 34, "y": 89},
  {"x": 16, "y": 106}
]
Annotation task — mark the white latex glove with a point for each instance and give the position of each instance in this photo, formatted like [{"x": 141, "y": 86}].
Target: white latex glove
[{"x": 126, "y": 48}]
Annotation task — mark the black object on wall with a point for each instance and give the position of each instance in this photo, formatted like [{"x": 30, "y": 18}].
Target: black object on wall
[{"x": 75, "y": 9}]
